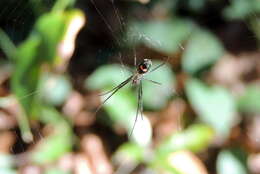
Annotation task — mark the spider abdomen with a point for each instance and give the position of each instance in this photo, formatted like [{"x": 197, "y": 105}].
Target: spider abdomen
[{"x": 144, "y": 66}]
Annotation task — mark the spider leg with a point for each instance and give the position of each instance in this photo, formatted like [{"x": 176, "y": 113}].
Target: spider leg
[
  {"x": 114, "y": 90},
  {"x": 139, "y": 106},
  {"x": 111, "y": 90},
  {"x": 157, "y": 83},
  {"x": 134, "y": 57},
  {"x": 137, "y": 111},
  {"x": 141, "y": 100},
  {"x": 159, "y": 65}
]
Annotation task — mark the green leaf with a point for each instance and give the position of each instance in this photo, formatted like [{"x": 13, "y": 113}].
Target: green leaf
[
  {"x": 50, "y": 38},
  {"x": 53, "y": 29},
  {"x": 106, "y": 77},
  {"x": 162, "y": 35},
  {"x": 54, "y": 146},
  {"x": 62, "y": 4},
  {"x": 232, "y": 162},
  {"x": 214, "y": 106},
  {"x": 38, "y": 49},
  {"x": 122, "y": 107},
  {"x": 26, "y": 74},
  {"x": 240, "y": 9},
  {"x": 24, "y": 81},
  {"x": 196, "y": 138},
  {"x": 203, "y": 49},
  {"x": 196, "y": 5},
  {"x": 157, "y": 96},
  {"x": 6, "y": 161},
  {"x": 130, "y": 151},
  {"x": 57, "y": 143},
  {"x": 7, "y": 45},
  {"x": 56, "y": 171},
  {"x": 7, "y": 171},
  {"x": 54, "y": 89},
  {"x": 255, "y": 25},
  {"x": 249, "y": 101},
  {"x": 6, "y": 164},
  {"x": 41, "y": 48}
]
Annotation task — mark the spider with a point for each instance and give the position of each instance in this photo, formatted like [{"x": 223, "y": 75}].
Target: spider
[
  {"x": 137, "y": 76},
  {"x": 136, "y": 80}
]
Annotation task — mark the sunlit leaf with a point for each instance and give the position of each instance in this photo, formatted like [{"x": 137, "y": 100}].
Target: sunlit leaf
[
  {"x": 62, "y": 4},
  {"x": 121, "y": 106},
  {"x": 203, "y": 49},
  {"x": 196, "y": 138},
  {"x": 214, "y": 106},
  {"x": 56, "y": 171},
  {"x": 232, "y": 162},
  {"x": 54, "y": 89},
  {"x": 53, "y": 39},
  {"x": 7, "y": 171},
  {"x": 6, "y": 164},
  {"x": 162, "y": 35},
  {"x": 181, "y": 159},
  {"x": 107, "y": 76},
  {"x": 142, "y": 132},
  {"x": 6, "y": 161},
  {"x": 130, "y": 151},
  {"x": 40, "y": 48}
]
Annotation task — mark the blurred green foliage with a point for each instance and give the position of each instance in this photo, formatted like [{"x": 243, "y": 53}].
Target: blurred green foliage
[
  {"x": 62, "y": 87},
  {"x": 207, "y": 101},
  {"x": 56, "y": 171},
  {"x": 249, "y": 101},
  {"x": 40, "y": 90},
  {"x": 214, "y": 105},
  {"x": 202, "y": 49},
  {"x": 195, "y": 138},
  {"x": 113, "y": 75},
  {"x": 162, "y": 35},
  {"x": 240, "y": 9},
  {"x": 6, "y": 164},
  {"x": 232, "y": 161},
  {"x": 40, "y": 50}
]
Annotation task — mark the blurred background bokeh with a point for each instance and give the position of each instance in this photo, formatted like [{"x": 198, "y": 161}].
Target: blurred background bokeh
[{"x": 57, "y": 56}]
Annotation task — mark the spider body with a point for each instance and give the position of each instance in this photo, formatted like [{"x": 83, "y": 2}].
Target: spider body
[
  {"x": 141, "y": 70},
  {"x": 144, "y": 66}
]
